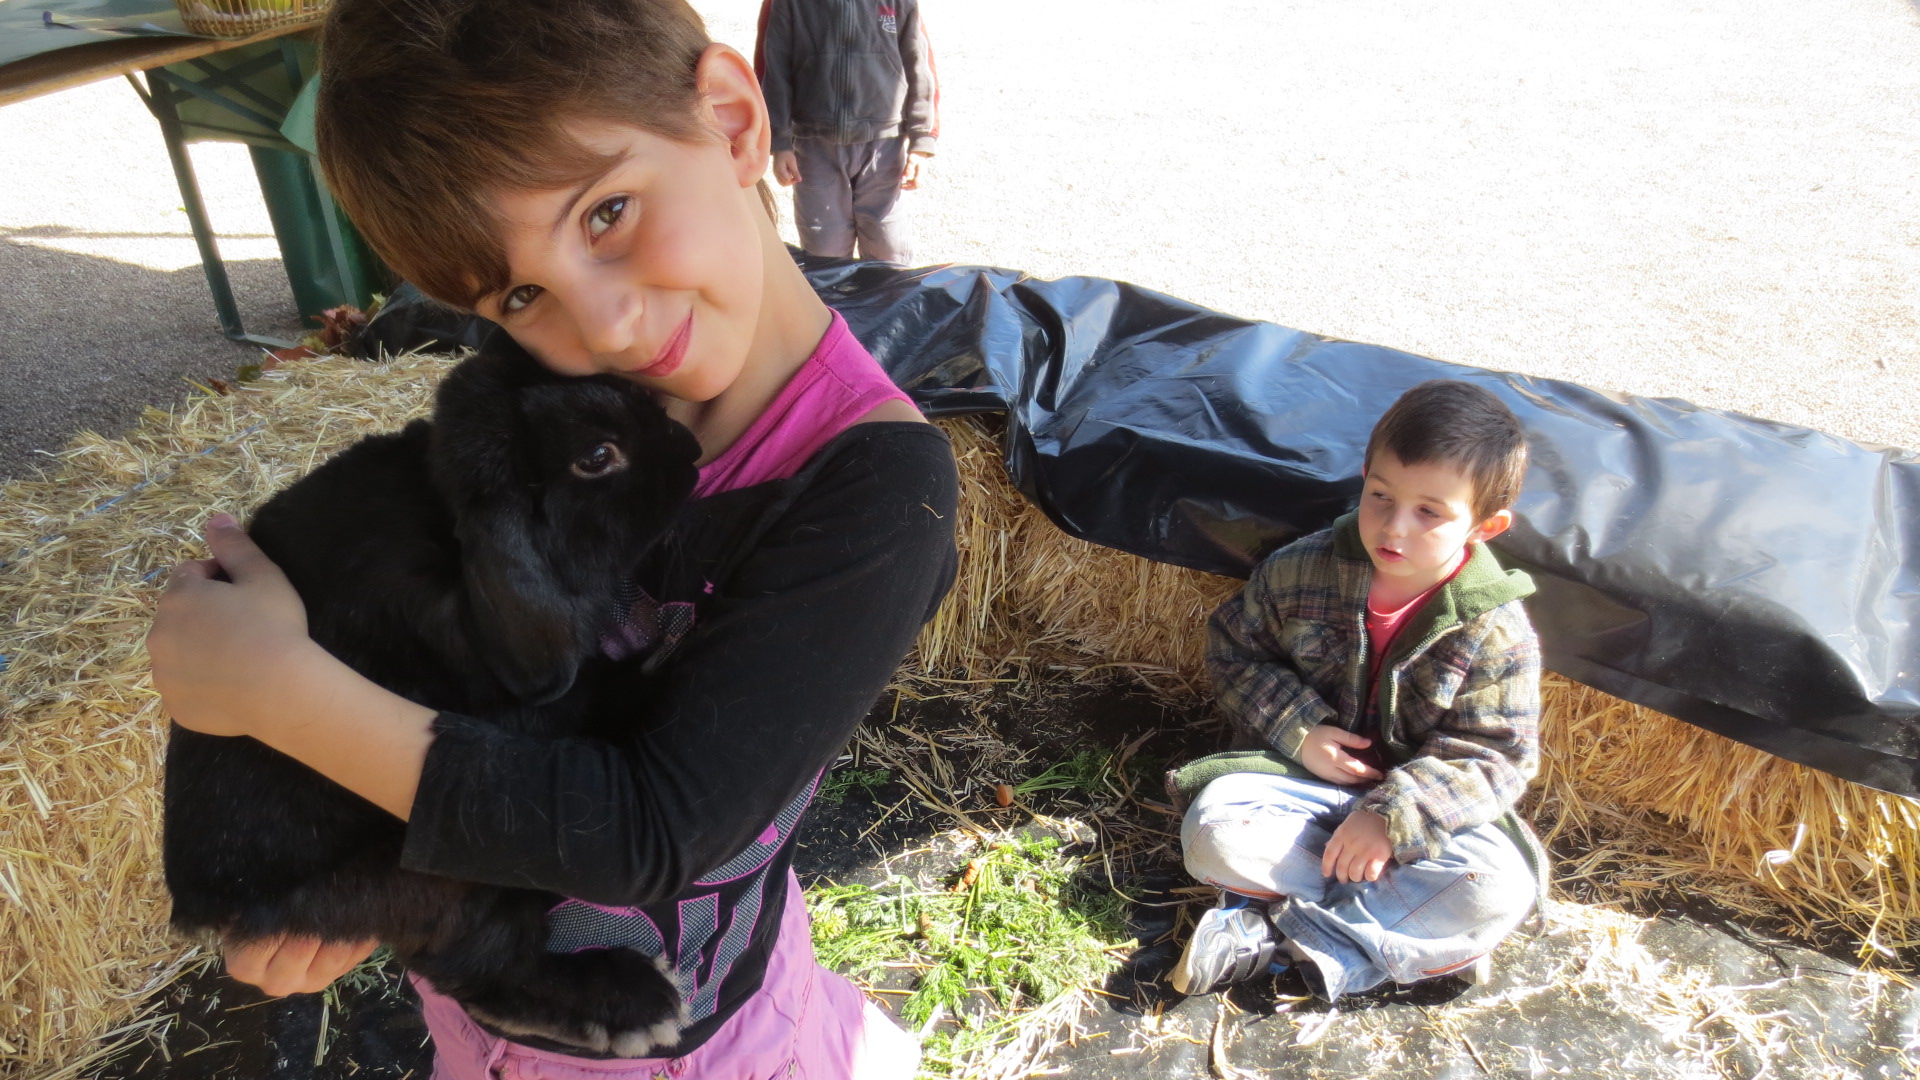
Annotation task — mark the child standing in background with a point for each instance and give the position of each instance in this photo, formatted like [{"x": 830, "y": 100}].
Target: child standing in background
[
  {"x": 854, "y": 102},
  {"x": 1387, "y": 669}
]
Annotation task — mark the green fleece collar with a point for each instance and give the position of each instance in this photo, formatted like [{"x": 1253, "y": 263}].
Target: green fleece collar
[{"x": 1479, "y": 587}]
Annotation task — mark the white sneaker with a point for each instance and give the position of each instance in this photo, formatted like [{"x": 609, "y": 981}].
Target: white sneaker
[{"x": 1232, "y": 942}]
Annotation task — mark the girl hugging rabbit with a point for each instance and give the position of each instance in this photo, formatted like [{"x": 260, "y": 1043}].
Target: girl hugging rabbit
[{"x": 587, "y": 173}]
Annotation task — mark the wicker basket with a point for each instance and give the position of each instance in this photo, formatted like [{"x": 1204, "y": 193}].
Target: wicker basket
[{"x": 245, "y": 18}]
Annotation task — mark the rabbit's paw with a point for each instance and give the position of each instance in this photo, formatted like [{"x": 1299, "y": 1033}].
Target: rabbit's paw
[
  {"x": 516, "y": 1024},
  {"x": 609, "y": 1001},
  {"x": 646, "y": 1014}
]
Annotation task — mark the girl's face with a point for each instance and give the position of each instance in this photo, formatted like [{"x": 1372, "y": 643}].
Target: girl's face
[{"x": 652, "y": 270}]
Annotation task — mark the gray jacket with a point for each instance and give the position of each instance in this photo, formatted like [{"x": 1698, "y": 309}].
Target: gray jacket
[{"x": 847, "y": 71}]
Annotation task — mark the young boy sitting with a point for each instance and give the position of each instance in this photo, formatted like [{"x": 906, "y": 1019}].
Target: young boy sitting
[{"x": 1387, "y": 670}]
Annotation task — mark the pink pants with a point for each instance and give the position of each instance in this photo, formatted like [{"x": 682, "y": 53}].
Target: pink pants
[{"x": 806, "y": 1023}]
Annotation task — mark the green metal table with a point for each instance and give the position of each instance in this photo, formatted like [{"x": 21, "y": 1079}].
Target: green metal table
[{"x": 247, "y": 90}]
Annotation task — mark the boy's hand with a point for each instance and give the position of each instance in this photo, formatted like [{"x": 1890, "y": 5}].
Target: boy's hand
[
  {"x": 1359, "y": 848},
  {"x": 786, "y": 167},
  {"x": 289, "y": 964},
  {"x": 916, "y": 167},
  {"x": 1324, "y": 753}
]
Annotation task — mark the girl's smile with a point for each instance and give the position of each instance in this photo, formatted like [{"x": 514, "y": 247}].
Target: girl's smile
[{"x": 667, "y": 360}]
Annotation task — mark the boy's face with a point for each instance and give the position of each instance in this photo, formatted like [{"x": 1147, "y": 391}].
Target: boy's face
[
  {"x": 1416, "y": 519},
  {"x": 652, "y": 271}
]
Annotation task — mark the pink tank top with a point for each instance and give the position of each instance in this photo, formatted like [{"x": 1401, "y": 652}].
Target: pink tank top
[{"x": 840, "y": 383}]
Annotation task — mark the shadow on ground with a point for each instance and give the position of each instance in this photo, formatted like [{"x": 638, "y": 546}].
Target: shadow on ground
[
  {"x": 87, "y": 343},
  {"x": 915, "y": 805}
]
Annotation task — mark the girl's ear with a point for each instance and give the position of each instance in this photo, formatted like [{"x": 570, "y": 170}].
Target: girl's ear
[
  {"x": 1499, "y": 522},
  {"x": 730, "y": 94}
]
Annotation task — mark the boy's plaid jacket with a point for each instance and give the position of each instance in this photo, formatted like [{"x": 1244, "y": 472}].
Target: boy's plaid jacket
[{"x": 1458, "y": 695}]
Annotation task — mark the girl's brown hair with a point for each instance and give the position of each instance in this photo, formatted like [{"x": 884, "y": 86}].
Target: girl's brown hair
[{"x": 427, "y": 106}]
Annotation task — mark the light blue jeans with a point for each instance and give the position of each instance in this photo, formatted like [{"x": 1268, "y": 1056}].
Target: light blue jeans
[{"x": 1263, "y": 836}]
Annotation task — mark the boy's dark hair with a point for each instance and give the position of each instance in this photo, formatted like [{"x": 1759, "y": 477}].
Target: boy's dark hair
[
  {"x": 428, "y": 106},
  {"x": 1460, "y": 424}
]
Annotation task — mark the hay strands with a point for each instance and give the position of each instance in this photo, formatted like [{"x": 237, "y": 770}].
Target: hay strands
[{"x": 83, "y": 938}]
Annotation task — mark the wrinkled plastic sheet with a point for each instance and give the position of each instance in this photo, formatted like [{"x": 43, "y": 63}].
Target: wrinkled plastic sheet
[{"x": 1757, "y": 579}]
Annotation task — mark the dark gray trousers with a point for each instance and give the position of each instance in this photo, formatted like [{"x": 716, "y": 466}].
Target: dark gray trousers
[{"x": 852, "y": 191}]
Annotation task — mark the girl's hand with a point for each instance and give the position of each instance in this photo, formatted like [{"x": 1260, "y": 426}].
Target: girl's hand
[
  {"x": 286, "y": 964},
  {"x": 219, "y": 647},
  {"x": 1324, "y": 753},
  {"x": 1359, "y": 848}
]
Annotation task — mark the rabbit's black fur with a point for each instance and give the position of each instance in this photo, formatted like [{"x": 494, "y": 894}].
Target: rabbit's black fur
[{"x": 469, "y": 565}]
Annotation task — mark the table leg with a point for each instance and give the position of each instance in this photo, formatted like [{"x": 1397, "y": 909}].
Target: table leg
[{"x": 161, "y": 106}]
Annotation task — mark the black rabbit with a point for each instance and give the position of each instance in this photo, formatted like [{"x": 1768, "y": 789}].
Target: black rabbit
[{"x": 470, "y": 565}]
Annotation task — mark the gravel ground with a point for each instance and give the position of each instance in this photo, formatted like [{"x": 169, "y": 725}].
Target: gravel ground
[
  {"x": 1709, "y": 200},
  {"x": 103, "y": 307}
]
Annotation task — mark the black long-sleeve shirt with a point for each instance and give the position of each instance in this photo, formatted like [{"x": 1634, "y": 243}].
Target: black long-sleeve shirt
[{"x": 675, "y": 826}]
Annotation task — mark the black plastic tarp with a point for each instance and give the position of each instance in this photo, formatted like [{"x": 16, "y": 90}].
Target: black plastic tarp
[{"x": 1757, "y": 579}]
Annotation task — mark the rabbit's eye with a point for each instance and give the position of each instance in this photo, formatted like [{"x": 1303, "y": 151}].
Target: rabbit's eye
[{"x": 600, "y": 461}]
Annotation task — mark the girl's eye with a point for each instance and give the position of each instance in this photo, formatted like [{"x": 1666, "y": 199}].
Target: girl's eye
[
  {"x": 606, "y": 215},
  {"x": 519, "y": 298}
]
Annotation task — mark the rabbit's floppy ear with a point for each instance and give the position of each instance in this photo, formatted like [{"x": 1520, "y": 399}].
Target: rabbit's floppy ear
[{"x": 529, "y": 628}]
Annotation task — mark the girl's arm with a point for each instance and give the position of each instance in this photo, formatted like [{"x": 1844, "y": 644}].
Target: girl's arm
[
  {"x": 764, "y": 693},
  {"x": 788, "y": 656},
  {"x": 232, "y": 657}
]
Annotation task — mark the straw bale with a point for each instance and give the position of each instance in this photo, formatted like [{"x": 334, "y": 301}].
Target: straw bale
[
  {"x": 82, "y": 909},
  {"x": 1652, "y": 802},
  {"x": 1028, "y": 597}
]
